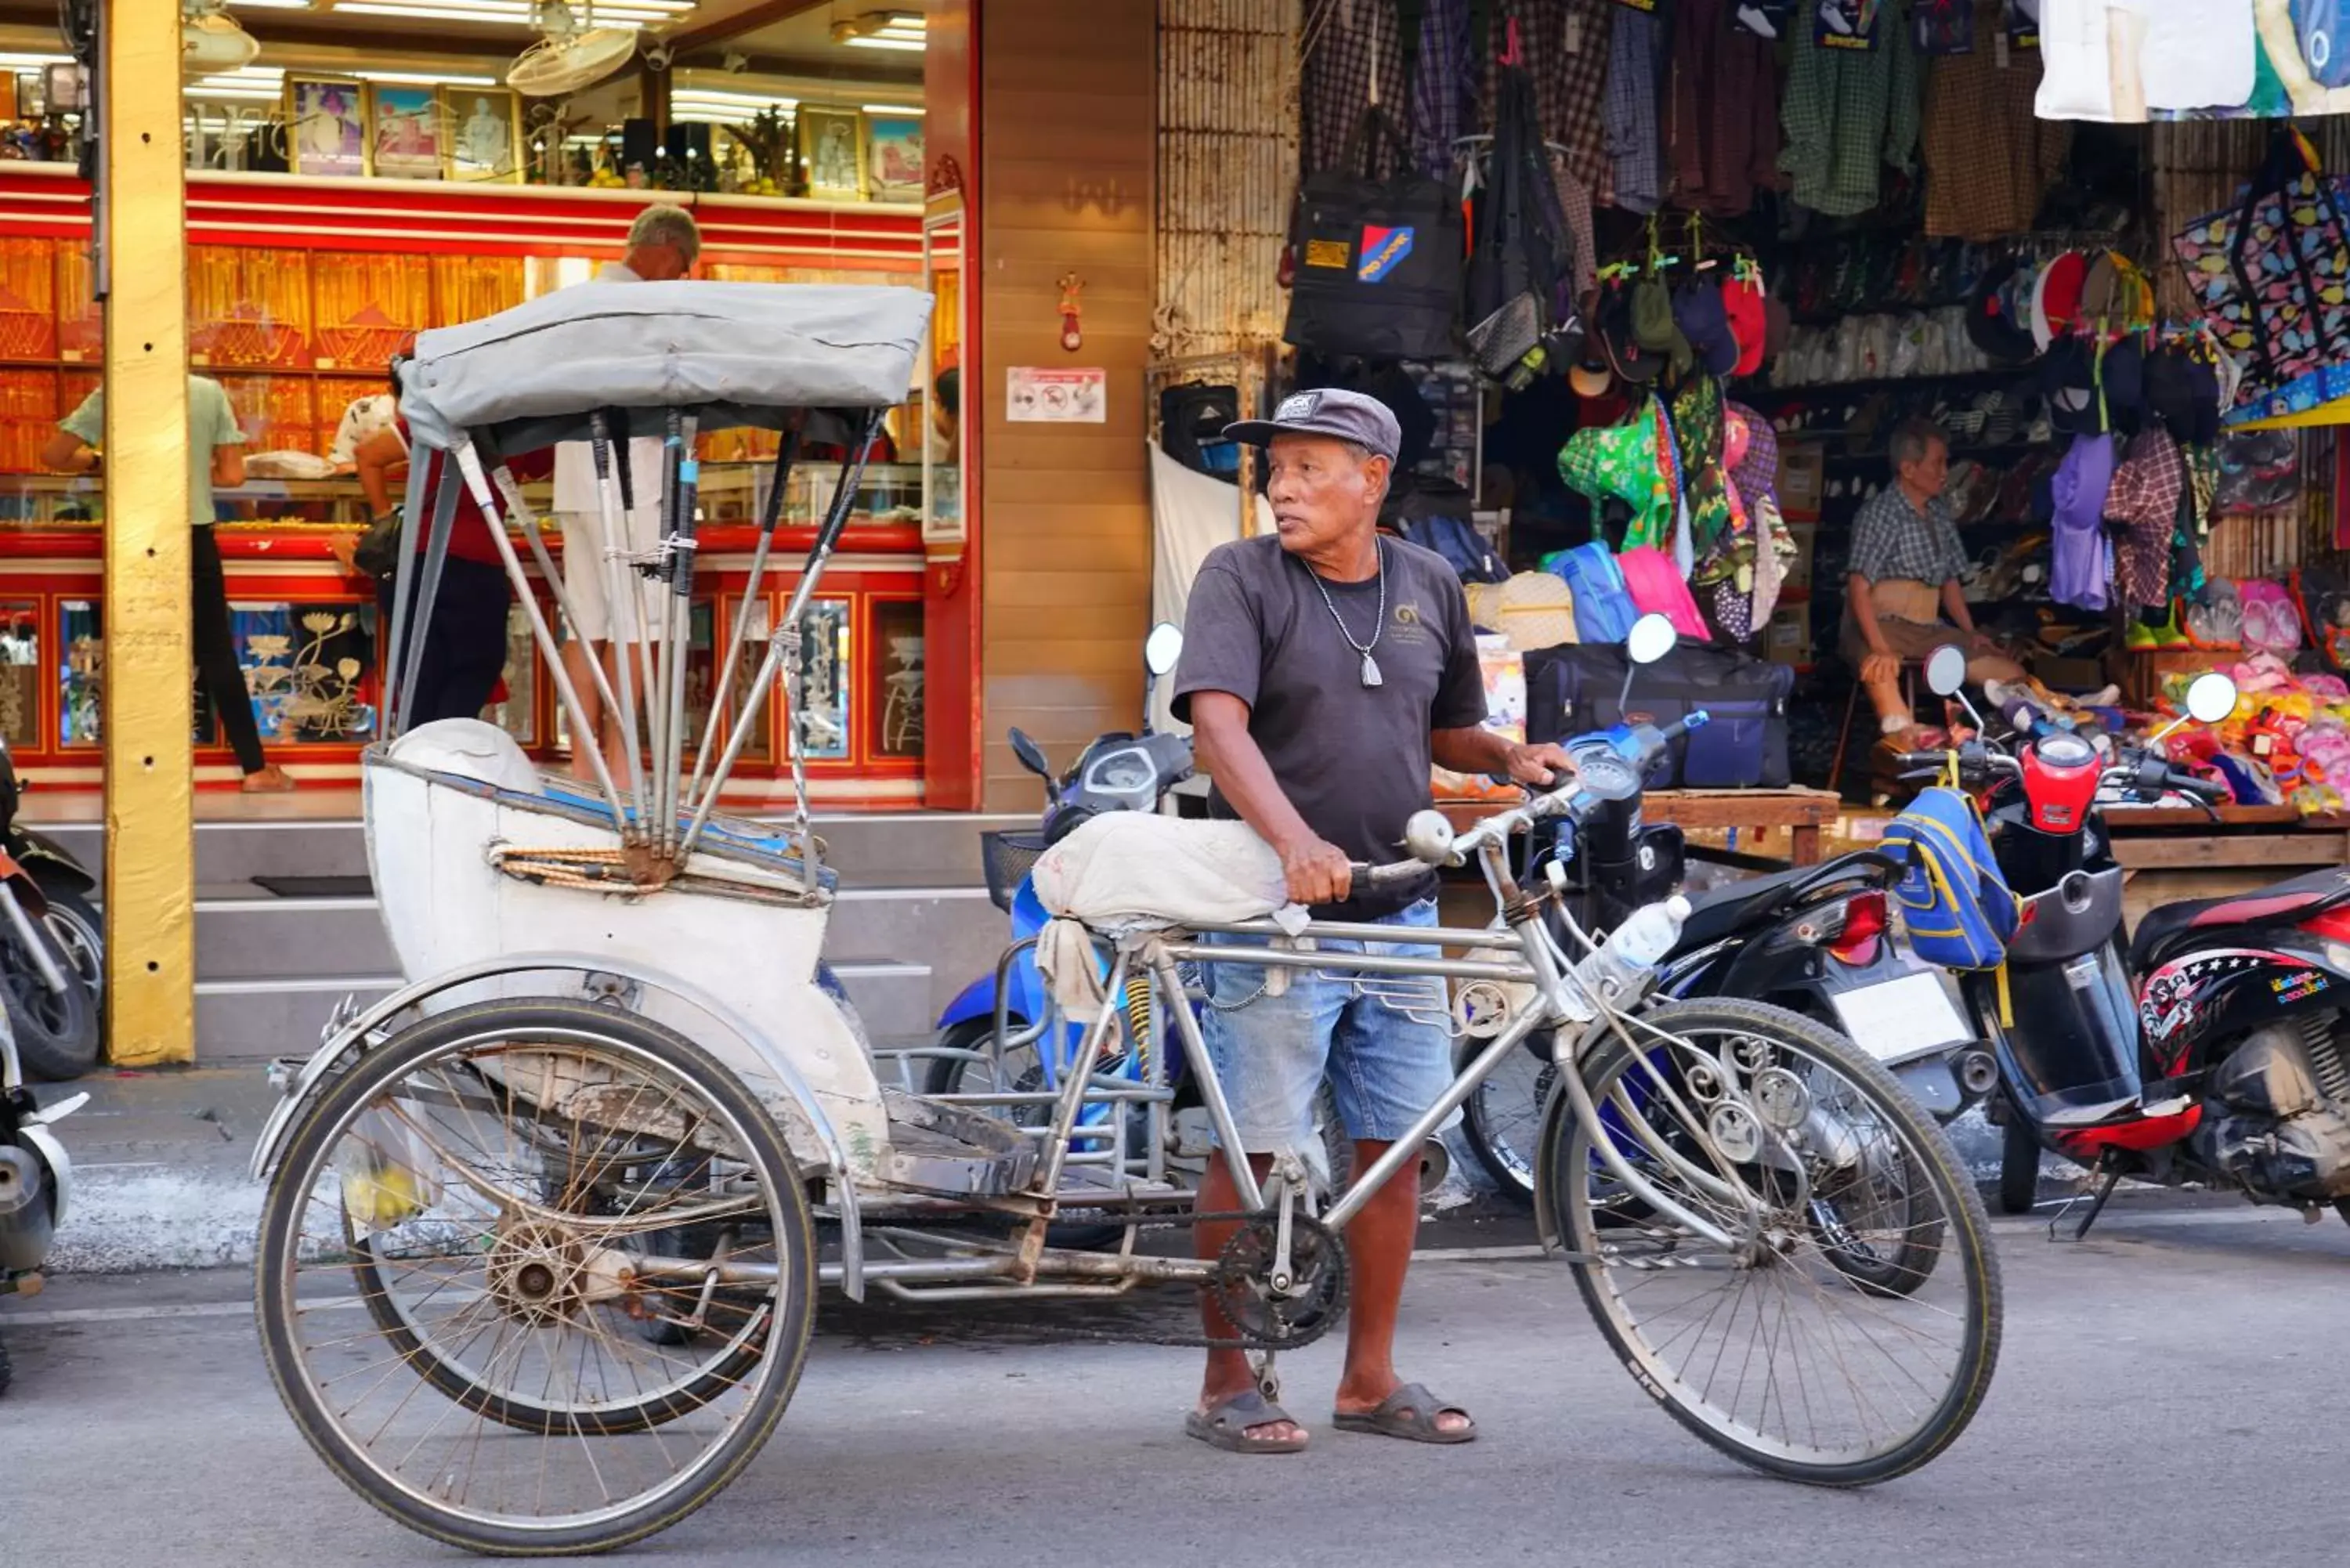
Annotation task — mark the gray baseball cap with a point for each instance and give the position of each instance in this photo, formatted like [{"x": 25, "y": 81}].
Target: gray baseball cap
[{"x": 1328, "y": 411}]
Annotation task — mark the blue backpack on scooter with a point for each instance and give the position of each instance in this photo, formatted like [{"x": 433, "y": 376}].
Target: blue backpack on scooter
[{"x": 1955, "y": 907}]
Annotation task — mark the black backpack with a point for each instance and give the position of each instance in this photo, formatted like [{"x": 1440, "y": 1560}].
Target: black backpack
[
  {"x": 1577, "y": 688},
  {"x": 1377, "y": 261}
]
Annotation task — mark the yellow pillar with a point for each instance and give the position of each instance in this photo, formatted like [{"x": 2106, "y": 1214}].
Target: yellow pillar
[{"x": 150, "y": 812}]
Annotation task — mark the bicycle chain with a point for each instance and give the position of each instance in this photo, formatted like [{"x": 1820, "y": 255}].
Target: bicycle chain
[{"x": 1228, "y": 1274}]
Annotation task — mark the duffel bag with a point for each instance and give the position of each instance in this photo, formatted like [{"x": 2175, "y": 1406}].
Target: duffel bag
[
  {"x": 1573, "y": 690},
  {"x": 1378, "y": 262}
]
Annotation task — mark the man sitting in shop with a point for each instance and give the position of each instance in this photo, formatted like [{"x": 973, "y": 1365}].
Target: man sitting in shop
[{"x": 1906, "y": 564}]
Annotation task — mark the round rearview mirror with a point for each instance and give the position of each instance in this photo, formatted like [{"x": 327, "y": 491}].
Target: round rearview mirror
[
  {"x": 1651, "y": 638},
  {"x": 1163, "y": 647},
  {"x": 2211, "y": 698},
  {"x": 1946, "y": 670}
]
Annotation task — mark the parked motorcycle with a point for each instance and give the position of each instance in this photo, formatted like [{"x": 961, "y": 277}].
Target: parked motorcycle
[
  {"x": 1816, "y": 940},
  {"x": 36, "y": 1179},
  {"x": 52, "y": 952},
  {"x": 2208, "y": 1046}
]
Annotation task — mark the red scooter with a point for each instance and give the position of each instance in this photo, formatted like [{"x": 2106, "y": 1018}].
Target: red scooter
[{"x": 2207, "y": 1048}]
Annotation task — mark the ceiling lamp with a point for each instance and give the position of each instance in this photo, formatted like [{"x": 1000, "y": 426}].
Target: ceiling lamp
[
  {"x": 883, "y": 30},
  {"x": 211, "y": 41}
]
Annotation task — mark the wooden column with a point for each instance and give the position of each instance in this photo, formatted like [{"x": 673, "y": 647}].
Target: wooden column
[{"x": 150, "y": 812}]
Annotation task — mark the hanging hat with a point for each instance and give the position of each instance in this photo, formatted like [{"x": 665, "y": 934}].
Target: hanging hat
[
  {"x": 2122, "y": 374},
  {"x": 2170, "y": 391},
  {"x": 1756, "y": 473},
  {"x": 2068, "y": 377},
  {"x": 1589, "y": 376},
  {"x": 1743, "y": 303},
  {"x": 1698, "y": 313},
  {"x": 1620, "y": 343},
  {"x": 2103, "y": 294},
  {"x": 1992, "y": 323},
  {"x": 2058, "y": 302},
  {"x": 1652, "y": 322}
]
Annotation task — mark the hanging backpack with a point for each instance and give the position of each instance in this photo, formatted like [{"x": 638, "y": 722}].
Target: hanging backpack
[
  {"x": 1519, "y": 262},
  {"x": 1955, "y": 907},
  {"x": 1657, "y": 589},
  {"x": 1463, "y": 549},
  {"x": 1604, "y": 611},
  {"x": 1377, "y": 261}
]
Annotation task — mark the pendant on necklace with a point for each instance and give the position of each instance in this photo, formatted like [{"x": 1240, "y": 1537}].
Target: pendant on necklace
[{"x": 1371, "y": 671}]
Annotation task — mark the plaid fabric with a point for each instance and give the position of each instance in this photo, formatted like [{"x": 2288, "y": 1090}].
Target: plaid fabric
[
  {"x": 2144, "y": 497},
  {"x": 1724, "y": 132},
  {"x": 1574, "y": 206},
  {"x": 1757, "y": 474},
  {"x": 1565, "y": 46},
  {"x": 1631, "y": 112},
  {"x": 1847, "y": 114},
  {"x": 1892, "y": 538},
  {"x": 1444, "y": 90},
  {"x": 1988, "y": 160},
  {"x": 1343, "y": 39}
]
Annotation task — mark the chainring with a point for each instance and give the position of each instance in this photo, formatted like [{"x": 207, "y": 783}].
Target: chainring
[{"x": 1274, "y": 1319}]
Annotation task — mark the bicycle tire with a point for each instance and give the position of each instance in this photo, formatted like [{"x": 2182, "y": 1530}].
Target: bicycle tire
[
  {"x": 304, "y": 1164},
  {"x": 1567, "y": 1213}
]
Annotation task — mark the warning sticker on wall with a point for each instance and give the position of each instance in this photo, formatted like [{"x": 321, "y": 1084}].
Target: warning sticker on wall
[{"x": 1039, "y": 396}]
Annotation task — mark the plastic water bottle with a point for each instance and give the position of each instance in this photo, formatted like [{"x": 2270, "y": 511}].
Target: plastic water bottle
[{"x": 1618, "y": 970}]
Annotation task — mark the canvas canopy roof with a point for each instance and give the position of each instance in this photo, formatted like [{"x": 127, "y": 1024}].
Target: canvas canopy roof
[{"x": 739, "y": 353}]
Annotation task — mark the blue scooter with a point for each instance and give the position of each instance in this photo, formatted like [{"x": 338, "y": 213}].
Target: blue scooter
[{"x": 1117, "y": 772}]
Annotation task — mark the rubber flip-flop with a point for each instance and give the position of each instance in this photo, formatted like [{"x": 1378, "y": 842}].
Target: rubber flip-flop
[
  {"x": 1409, "y": 1413},
  {"x": 1226, "y": 1426}
]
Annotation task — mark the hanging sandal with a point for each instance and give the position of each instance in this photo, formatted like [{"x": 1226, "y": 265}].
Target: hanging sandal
[{"x": 1411, "y": 1413}]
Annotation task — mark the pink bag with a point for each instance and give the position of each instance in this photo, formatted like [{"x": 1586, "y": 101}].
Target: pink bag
[
  {"x": 1657, "y": 589},
  {"x": 2271, "y": 621}
]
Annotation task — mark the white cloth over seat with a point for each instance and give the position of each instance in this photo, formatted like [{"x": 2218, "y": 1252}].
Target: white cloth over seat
[{"x": 1125, "y": 871}]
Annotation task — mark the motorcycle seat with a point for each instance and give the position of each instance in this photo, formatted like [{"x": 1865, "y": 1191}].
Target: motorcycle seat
[
  {"x": 1719, "y": 911},
  {"x": 2294, "y": 899}
]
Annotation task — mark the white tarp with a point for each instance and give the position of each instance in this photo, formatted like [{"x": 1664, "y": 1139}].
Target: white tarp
[
  {"x": 1190, "y": 513},
  {"x": 743, "y": 353},
  {"x": 1127, "y": 870}
]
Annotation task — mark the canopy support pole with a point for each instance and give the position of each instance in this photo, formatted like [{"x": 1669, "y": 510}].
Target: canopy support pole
[{"x": 786, "y": 634}]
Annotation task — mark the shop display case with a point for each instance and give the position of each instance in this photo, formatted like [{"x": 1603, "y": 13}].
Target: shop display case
[{"x": 297, "y": 312}]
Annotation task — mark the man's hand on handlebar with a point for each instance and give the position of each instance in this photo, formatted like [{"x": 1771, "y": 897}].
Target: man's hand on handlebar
[
  {"x": 1541, "y": 765},
  {"x": 1317, "y": 871}
]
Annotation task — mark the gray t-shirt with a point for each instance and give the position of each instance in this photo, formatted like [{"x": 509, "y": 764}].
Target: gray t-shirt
[{"x": 1353, "y": 759}]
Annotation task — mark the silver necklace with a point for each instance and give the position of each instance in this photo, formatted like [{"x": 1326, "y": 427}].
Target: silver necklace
[{"x": 1370, "y": 665}]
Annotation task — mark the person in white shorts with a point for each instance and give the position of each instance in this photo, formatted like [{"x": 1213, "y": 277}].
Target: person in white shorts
[{"x": 663, "y": 246}]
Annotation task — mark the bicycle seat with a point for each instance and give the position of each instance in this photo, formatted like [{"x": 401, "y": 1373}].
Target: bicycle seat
[{"x": 2280, "y": 903}]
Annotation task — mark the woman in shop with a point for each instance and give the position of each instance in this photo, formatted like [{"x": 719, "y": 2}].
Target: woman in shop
[{"x": 216, "y": 460}]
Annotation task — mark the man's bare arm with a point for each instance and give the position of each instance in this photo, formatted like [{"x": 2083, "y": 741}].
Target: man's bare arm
[{"x": 1317, "y": 872}]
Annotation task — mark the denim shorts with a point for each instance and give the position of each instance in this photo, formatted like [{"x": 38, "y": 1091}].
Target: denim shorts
[{"x": 1386, "y": 1066}]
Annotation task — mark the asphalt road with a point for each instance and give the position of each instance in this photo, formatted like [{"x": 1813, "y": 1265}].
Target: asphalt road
[{"x": 2171, "y": 1391}]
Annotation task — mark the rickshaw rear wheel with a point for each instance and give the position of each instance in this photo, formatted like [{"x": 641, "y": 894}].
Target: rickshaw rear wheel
[{"x": 742, "y": 1397}]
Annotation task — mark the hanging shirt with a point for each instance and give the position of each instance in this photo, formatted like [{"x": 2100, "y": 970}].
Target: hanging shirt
[
  {"x": 2144, "y": 500},
  {"x": 1631, "y": 112},
  {"x": 1345, "y": 41},
  {"x": 1848, "y": 113},
  {"x": 1989, "y": 160},
  {"x": 1443, "y": 88},
  {"x": 1725, "y": 109},
  {"x": 1564, "y": 46}
]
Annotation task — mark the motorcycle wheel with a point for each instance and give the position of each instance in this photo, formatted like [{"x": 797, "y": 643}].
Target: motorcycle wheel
[
  {"x": 2019, "y": 1167},
  {"x": 1718, "y": 1335},
  {"x": 1851, "y": 1228},
  {"x": 75, "y": 923},
  {"x": 1502, "y": 1119},
  {"x": 57, "y": 1032}
]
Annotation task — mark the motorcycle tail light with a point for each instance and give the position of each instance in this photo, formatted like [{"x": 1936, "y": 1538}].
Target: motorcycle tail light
[{"x": 1863, "y": 923}]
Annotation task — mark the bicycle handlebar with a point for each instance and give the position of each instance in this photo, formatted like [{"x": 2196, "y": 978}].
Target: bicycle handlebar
[{"x": 1569, "y": 800}]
